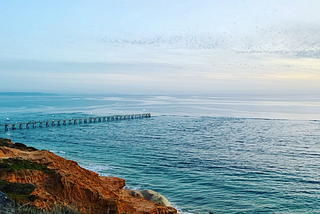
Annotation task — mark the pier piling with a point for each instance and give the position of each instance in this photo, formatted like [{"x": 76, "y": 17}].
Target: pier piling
[{"x": 73, "y": 121}]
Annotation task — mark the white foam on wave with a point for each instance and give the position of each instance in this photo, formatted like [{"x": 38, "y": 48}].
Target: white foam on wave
[
  {"x": 180, "y": 211},
  {"x": 132, "y": 187},
  {"x": 98, "y": 168},
  {"x": 56, "y": 152}
]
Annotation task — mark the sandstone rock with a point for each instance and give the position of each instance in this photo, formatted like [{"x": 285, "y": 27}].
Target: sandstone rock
[
  {"x": 150, "y": 195},
  {"x": 6, "y": 204}
]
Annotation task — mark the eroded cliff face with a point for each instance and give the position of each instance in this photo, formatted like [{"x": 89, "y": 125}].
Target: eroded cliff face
[{"x": 57, "y": 181}]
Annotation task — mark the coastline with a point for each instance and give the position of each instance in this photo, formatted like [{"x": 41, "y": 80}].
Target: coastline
[{"x": 43, "y": 180}]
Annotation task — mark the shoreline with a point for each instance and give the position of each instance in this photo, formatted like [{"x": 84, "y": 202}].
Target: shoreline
[{"x": 54, "y": 181}]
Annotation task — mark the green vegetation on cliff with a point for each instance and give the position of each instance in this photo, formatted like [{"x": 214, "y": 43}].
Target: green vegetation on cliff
[
  {"x": 19, "y": 209},
  {"x": 10, "y": 165},
  {"x": 19, "y": 191},
  {"x": 21, "y": 146}
]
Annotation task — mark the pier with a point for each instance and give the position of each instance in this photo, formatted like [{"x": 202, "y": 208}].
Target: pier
[{"x": 64, "y": 122}]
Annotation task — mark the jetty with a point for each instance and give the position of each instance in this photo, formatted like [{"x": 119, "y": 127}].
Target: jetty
[{"x": 72, "y": 121}]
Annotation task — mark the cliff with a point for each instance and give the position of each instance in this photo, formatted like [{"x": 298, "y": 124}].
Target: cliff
[{"x": 45, "y": 180}]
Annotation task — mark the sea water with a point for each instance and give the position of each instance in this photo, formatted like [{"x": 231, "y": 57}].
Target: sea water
[{"x": 213, "y": 153}]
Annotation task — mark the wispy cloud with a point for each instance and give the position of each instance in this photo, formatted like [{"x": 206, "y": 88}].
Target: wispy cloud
[{"x": 161, "y": 46}]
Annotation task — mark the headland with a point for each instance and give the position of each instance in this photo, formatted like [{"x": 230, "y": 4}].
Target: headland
[{"x": 44, "y": 181}]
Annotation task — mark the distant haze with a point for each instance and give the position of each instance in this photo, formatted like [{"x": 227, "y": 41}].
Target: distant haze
[{"x": 160, "y": 47}]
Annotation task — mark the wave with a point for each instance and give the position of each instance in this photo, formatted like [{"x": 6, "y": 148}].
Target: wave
[
  {"x": 102, "y": 170},
  {"x": 56, "y": 152},
  {"x": 132, "y": 187}
]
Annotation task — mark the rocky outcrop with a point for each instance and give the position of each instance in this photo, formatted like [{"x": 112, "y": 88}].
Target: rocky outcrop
[
  {"x": 55, "y": 181},
  {"x": 150, "y": 195},
  {"x": 6, "y": 204}
]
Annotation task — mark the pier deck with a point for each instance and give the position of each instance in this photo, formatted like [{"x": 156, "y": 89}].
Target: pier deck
[{"x": 64, "y": 122}]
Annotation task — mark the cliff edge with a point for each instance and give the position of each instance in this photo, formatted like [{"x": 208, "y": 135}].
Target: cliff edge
[{"x": 45, "y": 181}]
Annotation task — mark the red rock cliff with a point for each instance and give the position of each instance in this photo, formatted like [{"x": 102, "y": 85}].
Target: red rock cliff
[{"x": 67, "y": 184}]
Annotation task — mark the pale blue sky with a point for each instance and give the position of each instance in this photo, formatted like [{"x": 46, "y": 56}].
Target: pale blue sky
[{"x": 160, "y": 47}]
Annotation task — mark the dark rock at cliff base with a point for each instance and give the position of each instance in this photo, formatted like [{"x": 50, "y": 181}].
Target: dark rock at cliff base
[
  {"x": 6, "y": 204},
  {"x": 150, "y": 195},
  {"x": 5, "y": 142},
  {"x": 21, "y": 146}
]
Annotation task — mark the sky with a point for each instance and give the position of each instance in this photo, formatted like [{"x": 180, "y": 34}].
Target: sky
[{"x": 160, "y": 47}]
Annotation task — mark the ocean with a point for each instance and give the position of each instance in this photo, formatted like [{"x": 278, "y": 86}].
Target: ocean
[{"x": 205, "y": 153}]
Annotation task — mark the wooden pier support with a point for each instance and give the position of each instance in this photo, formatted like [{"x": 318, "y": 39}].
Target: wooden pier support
[{"x": 74, "y": 121}]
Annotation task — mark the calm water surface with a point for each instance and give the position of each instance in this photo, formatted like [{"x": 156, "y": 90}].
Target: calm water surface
[{"x": 220, "y": 154}]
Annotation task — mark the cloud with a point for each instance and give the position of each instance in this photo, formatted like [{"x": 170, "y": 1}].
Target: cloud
[
  {"x": 184, "y": 45},
  {"x": 296, "y": 39}
]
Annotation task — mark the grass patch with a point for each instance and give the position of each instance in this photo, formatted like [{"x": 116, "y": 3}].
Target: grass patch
[
  {"x": 26, "y": 209},
  {"x": 18, "y": 191},
  {"x": 5, "y": 142},
  {"x": 18, "y": 197},
  {"x": 18, "y": 188},
  {"x": 10, "y": 165},
  {"x": 2, "y": 183},
  {"x": 21, "y": 146}
]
